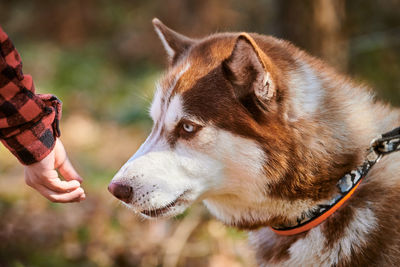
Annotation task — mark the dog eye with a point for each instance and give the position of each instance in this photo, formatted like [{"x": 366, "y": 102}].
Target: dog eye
[{"x": 188, "y": 127}]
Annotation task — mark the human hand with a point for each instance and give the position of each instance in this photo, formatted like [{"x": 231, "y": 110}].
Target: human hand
[{"x": 43, "y": 177}]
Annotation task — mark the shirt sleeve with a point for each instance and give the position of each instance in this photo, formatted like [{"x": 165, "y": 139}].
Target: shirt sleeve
[{"x": 28, "y": 122}]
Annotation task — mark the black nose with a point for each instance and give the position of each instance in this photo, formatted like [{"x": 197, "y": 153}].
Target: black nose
[{"x": 121, "y": 191}]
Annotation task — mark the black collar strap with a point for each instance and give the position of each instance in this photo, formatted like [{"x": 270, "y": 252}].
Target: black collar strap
[{"x": 386, "y": 143}]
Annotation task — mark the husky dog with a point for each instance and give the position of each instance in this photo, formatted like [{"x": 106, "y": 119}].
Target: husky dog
[{"x": 261, "y": 132}]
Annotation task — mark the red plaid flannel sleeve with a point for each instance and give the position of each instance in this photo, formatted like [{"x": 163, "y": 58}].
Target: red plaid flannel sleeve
[{"x": 28, "y": 122}]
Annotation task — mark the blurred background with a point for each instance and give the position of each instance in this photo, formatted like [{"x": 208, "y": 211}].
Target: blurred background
[{"x": 102, "y": 58}]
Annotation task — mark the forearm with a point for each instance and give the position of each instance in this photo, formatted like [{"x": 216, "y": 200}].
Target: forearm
[{"x": 28, "y": 122}]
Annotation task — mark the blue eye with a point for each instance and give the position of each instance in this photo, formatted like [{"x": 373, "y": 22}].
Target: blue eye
[{"x": 188, "y": 127}]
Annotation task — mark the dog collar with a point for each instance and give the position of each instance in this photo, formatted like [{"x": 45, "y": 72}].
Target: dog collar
[{"x": 347, "y": 185}]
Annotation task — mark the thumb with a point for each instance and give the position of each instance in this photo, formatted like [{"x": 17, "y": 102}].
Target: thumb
[
  {"x": 63, "y": 164},
  {"x": 68, "y": 171}
]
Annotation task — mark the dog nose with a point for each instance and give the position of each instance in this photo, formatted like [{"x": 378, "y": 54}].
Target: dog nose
[{"x": 121, "y": 191}]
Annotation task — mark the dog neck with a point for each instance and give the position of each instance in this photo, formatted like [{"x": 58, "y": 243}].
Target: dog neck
[{"x": 320, "y": 145}]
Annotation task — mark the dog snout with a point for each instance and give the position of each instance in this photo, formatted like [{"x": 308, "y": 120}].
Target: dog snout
[{"x": 121, "y": 191}]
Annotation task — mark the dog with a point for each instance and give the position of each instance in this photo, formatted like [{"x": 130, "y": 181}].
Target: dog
[{"x": 261, "y": 133}]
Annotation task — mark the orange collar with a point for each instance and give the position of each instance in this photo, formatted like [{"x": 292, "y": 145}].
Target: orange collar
[
  {"x": 386, "y": 143},
  {"x": 304, "y": 226}
]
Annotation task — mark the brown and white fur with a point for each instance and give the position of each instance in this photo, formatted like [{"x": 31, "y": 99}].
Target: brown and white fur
[{"x": 260, "y": 131}]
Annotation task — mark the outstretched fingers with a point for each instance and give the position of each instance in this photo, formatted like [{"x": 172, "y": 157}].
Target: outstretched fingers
[
  {"x": 73, "y": 196},
  {"x": 43, "y": 177}
]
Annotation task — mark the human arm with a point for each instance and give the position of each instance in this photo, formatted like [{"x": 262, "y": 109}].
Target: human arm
[{"x": 29, "y": 129}]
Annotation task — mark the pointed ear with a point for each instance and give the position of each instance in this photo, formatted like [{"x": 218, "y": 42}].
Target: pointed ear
[
  {"x": 175, "y": 44},
  {"x": 247, "y": 69}
]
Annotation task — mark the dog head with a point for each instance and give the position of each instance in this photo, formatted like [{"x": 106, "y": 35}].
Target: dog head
[{"x": 222, "y": 133}]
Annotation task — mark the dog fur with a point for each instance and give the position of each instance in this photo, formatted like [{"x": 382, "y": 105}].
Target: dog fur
[{"x": 260, "y": 131}]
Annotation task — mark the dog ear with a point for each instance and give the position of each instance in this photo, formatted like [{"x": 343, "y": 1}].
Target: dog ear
[
  {"x": 175, "y": 44},
  {"x": 247, "y": 69}
]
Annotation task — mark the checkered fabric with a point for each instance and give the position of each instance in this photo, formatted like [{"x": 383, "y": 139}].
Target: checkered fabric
[{"x": 28, "y": 122}]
